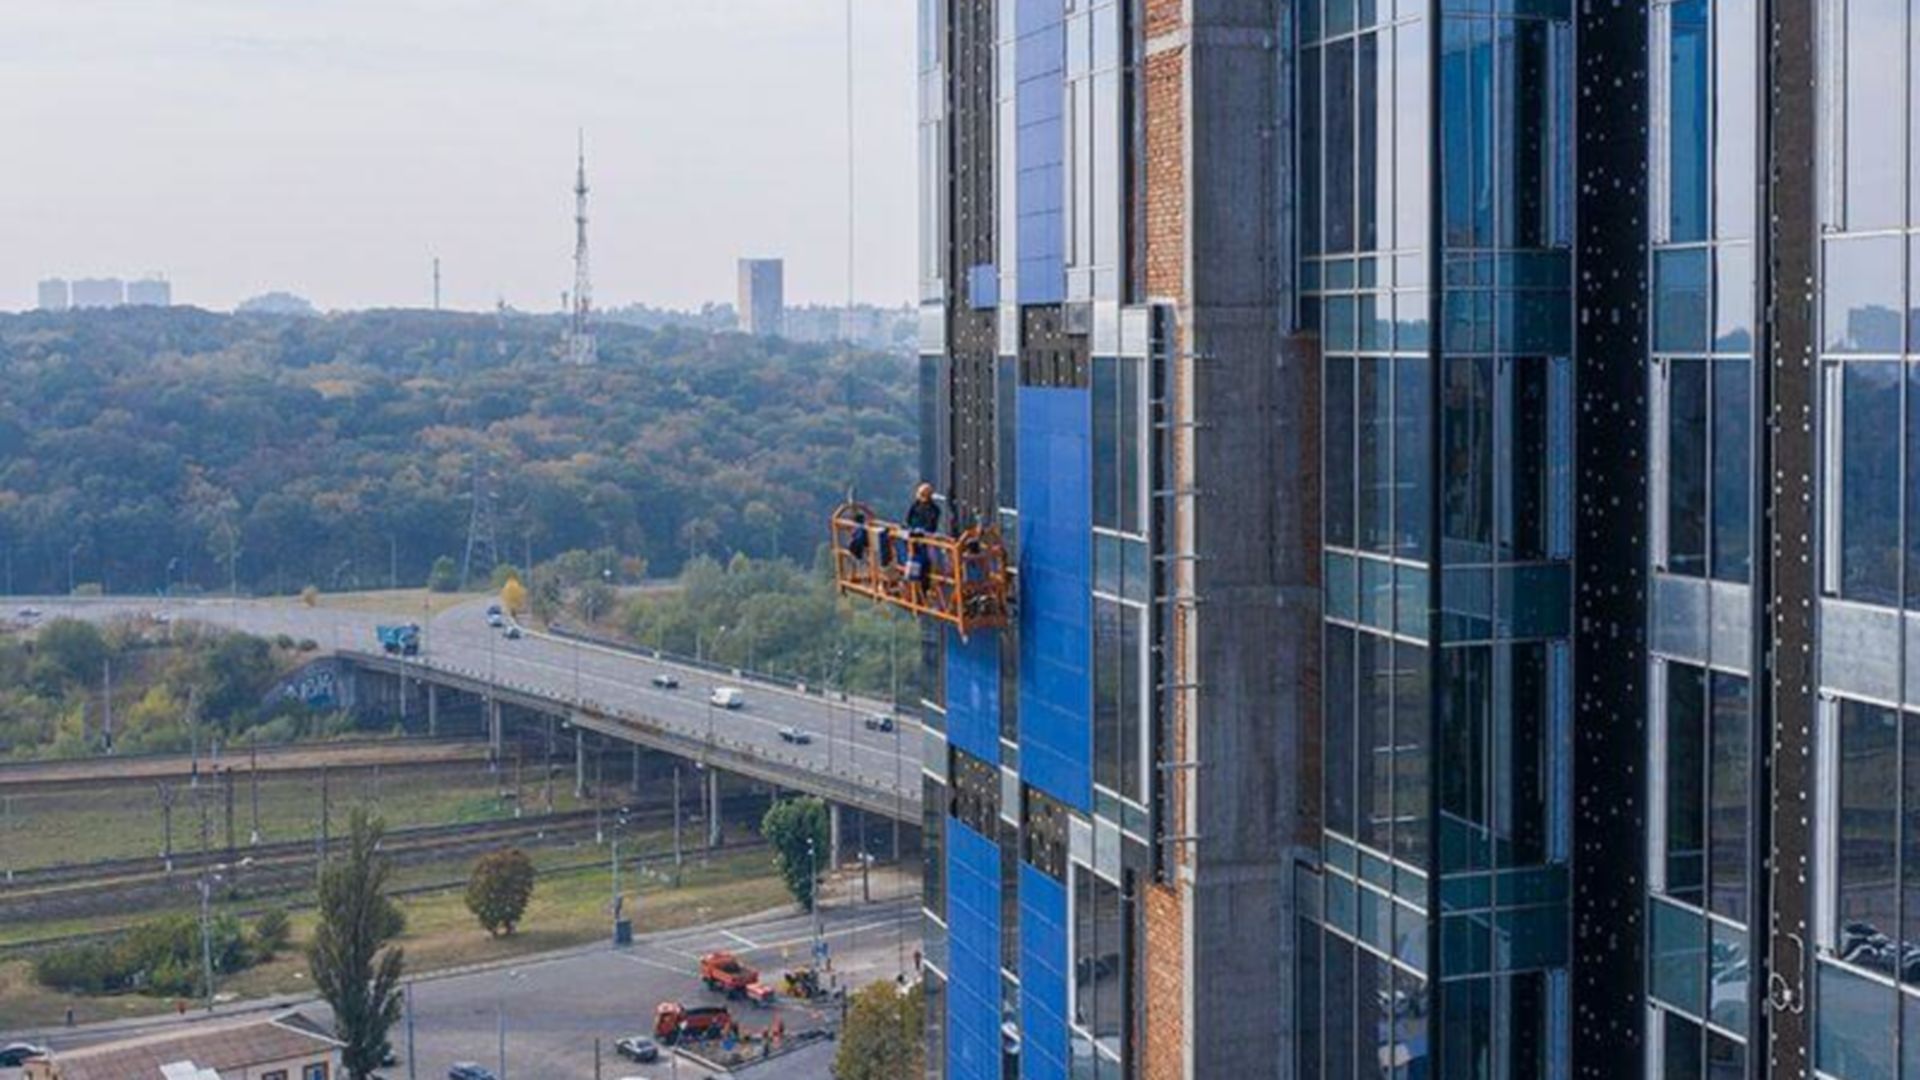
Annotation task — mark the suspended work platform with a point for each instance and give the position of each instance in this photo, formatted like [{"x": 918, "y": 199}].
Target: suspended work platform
[{"x": 958, "y": 580}]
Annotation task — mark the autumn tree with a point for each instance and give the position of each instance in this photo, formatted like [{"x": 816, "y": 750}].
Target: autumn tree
[
  {"x": 500, "y": 888},
  {"x": 884, "y": 1036}
]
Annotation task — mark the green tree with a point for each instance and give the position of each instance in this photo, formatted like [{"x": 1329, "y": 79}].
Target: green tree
[
  {"x": 884, "y": 1036},
  {"x": 797, "y": 830},
  {"x": 498, "y": 891},
  {"x": 355, "y": 966},
  {"x": 70, "y": 651},
  {"x": 445, "y": 575}
]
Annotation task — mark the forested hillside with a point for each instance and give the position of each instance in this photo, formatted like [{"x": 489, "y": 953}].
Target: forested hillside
[{"x": 143, "y": 446}]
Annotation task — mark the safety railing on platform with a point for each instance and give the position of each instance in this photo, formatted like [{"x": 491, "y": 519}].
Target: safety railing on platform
[{"x": 958, "y": 580}]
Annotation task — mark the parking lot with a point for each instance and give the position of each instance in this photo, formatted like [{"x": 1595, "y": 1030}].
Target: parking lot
[{"x": 552, "y": 1010}]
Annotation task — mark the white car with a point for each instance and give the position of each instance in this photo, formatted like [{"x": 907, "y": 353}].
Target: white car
[
  {"x": 797, "y": 736},
  {"x": 727, "y": 697}
]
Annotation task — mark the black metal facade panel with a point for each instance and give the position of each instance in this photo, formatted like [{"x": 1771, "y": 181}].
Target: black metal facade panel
[
  {"x": 1610, "y": 654},
  {"x": 1049, "y": 355},
  {"x": 1793, "y": 269},
  {"x": 971, "y": 329}
]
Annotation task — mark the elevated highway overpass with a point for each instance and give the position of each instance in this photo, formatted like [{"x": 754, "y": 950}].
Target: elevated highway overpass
[{"x": 592, "y": 688}]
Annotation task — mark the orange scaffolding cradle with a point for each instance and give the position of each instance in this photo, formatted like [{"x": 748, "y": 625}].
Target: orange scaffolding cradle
[{"x": 958, "y": 580}]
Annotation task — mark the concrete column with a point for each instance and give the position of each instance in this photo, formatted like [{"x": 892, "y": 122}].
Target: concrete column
[
  {"x": 833, "y": 835},
  {"x": 713, "y": 807},
  {"x": 579, "y": 763},
  {"x": 433, "y": 709},
  {"x": 636, "y": 768},
  {"x": 495, "y": 734},
  {"x": 896, "y": 843}
]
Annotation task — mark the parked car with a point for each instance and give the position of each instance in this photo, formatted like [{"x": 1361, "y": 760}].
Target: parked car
[
  {"x": 28, "y": 613},
  {"x": 513, "y": 633},
  {"x": 879, "y": 722},
  {"x": 467, "y": 1070},
  {"x": 638, "y": 1048},
  {"x": 666, "y": 681},
  {"x": 14, "y": 1055},
  {"x": 494, "y": 618},
  {"x": 798, "y": 736},
  {"x": 727, "y": 697}
]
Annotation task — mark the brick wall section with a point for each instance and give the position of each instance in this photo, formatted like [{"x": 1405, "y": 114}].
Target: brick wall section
[
  {"x": 1164, "y": 1006},
  {"x": 1166, "y": 174}
]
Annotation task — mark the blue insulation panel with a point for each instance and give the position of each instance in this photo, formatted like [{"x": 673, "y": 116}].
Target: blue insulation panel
[
  {"x": 1043, "y": 976},
  {"x": 1040, "y": 97},
  {"x": 973, "y": 927},
  {"x": 973, "y": 693},
  {"x": 1056, "y": 593},
  {"x": 983, "y": 286}
]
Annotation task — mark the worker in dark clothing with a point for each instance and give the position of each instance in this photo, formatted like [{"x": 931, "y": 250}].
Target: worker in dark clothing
[
  {"x": 923, "y": 518},
  {"x": 924, "y": 514}
]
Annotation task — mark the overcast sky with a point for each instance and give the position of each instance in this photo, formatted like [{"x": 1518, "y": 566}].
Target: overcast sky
[{"x": 333, "y": 147}]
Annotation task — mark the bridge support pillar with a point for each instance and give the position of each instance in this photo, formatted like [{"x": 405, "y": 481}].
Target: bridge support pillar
[
  {"x": 579, "y": 762},
  {"x": 896, "y": 843},
  {"x": 495, "y": 734},
  {"x": 433, "y": 709},
  {"x": 713, "y": 807},
  {"x": 833, "y": 835},
  {"x": 636, "y": 768}
]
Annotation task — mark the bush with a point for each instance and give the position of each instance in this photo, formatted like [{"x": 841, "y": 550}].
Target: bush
[
  {"x": 272, "y": 932},
  {"x": 445, "y": 575},
  {"x": 307, "y": 644},
  {"x": 283, "y": 641},
  {"x": 160, "y": 957},
  {"x": 500, "y": 888}
]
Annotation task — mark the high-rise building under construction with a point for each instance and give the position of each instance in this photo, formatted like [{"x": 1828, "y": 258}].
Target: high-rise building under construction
[{"x": 1459, "y": 463}]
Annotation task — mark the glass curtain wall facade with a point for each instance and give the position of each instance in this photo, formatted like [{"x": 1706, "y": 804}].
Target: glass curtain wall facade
[
  {"x": 1703, "y": 168},
  {"x": 1436, "y": 265},
  {"x": 1866, "y": 990},
  {"x": 1038, "y": 759}
]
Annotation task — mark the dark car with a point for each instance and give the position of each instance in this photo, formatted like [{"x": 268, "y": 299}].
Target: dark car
[
  {"x": 879, "y": 722},
  {"x": 467, "y": 1070},
  {"x": 638, "y": 1048},
  {"x": 666, "y": 682},
  {"x": 513, "y": 633},
  {"x": 798, "y": 736},
  {"x": 14, "y": 1055}
]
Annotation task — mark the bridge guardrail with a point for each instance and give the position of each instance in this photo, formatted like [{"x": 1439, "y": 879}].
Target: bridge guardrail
[{"x": 856, "y": 788}]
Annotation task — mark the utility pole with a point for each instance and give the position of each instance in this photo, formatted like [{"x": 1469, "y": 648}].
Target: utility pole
[
  {"x": 226, "y": 777},
  {"x": 106, "y": 699},
  {"x": 411, "y": 1075},
  {"x": 676, "y": 826},
  {"x": 206, "y": 935},
  {"x": 253, "y": 784},
  {"x": 436, "y": 283},
  {"x": 166, "y": 826}
]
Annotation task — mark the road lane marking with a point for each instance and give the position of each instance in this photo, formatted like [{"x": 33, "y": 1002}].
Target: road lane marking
[{"x": 738, "y": 938}]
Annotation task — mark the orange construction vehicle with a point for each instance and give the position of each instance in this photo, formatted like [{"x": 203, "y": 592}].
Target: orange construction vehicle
[
  {"x": 958, "y": 580},
  {"x": 723, "y": 972},
  {"x": 673, "y": 1021}
]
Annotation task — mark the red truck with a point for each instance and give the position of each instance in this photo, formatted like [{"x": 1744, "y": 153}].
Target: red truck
[
  {"x": 723, "y": 972},
  {"x": 673, "y": 1021}
]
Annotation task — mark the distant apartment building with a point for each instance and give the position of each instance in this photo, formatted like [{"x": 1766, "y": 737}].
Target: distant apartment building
[
  {"x": 150, "y": 292},
  {"x": 54, "y": 295},
  {"x": 99, "y": 292},
  {"x": 762, "y": 300}
]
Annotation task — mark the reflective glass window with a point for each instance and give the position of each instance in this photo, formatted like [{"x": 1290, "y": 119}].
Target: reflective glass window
[
  {"x": 1687, "y": 441},
  {"x": 1729, "y": 804},
  {"x": 1467, "y": 454},
  {"x": 1853, "y": 1026},
  {"x": 1467, "y": 705},
  {"x": 1735, "y": 127},
  {"x": 1869, "y": 473},
  {"x": 1680, "y": 301},
  {"x": 1375, "y": 401},
  {"x": 1412, "y": 483},
  {"x": 1338, "y": 736},
  {"x": 1868, "y": 777},
  {"x": 1413, "y": 765},
  {"x": 1684, "y": 781},
  {"x": 1338, "y": 959},
  {"x": 1680, "y": 1048},
  {"x": 1688, "y": 110},
  {"x": 1861, "y": 295},
  {"x": 1732, "y": 466},
  {"x": 1374, "y": 724},
  {"x": 1339, "y": 451},
  {"x": 1340, "y": 146},
  {"x": 1876, "y": 128},
  {"x": 1733, "y": 288}
]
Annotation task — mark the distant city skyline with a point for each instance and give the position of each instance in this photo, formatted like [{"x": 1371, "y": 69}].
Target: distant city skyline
[{"x": 335, "y": 152}]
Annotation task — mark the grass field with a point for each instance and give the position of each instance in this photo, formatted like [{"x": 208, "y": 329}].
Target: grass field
[
  {"x": 117, "y": 820},
  {"x": 569, "y": 908}
]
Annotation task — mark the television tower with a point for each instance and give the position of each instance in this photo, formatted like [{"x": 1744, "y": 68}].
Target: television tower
[{"x": 580, "y": 344}]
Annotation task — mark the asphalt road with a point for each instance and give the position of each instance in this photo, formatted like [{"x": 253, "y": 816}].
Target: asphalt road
[
  {"x": 554, "y": 1008},
  {"x": 614, "y": 681}
]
